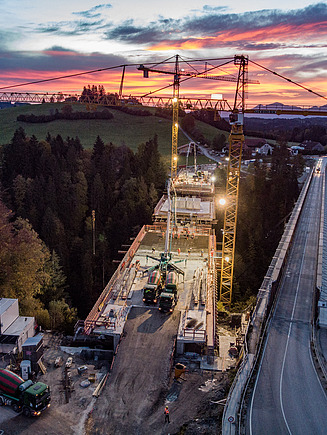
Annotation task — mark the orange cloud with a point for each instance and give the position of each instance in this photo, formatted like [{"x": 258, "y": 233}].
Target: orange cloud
[
  {"x": 308, "y": 31},
  {"x": 61, "y": 53},
  {"x": 271, "y": 88}
]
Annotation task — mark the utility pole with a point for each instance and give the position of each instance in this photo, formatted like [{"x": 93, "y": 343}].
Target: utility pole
[{"x": 93, "y": 230}]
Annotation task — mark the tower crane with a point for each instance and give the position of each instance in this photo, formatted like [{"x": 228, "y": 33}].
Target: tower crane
[
  {"x": 175, "y": 103},
  {"x": 236, "y": 140},
  {"x": 236, "y": 137},
  {"x": 178, "y": 73}
]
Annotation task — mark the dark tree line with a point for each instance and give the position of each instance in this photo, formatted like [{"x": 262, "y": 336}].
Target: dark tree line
[
  {"x": 294, "y": 130},
  {"x": 66, "y": 113},
  {"x": 55, "y": 184},
  {"x": 92, "y": 92},
  {"x": 133, "y": 110},
  {"x": 266, "y": 200}
]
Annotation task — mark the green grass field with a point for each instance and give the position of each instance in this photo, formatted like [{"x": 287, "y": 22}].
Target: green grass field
[{"x": 122, "y": 129}]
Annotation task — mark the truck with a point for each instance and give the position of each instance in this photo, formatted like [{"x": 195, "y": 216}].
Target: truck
[
  {"x": 152, "y": 288},
  {"x": 26, "y": 396},
  {"x": 168, "y": 297}
]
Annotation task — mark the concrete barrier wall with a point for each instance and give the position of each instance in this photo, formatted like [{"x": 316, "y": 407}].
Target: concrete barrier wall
[
  {"x": 105, "y": 295},
  {"x": 320, "y": 296},
  {"x": 254, "y": 334}
]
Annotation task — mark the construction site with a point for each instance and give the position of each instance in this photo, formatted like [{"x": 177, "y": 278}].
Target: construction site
[
  {"x": 156, "y": 336},
  {"x": 154, "y": 348},
  {"x": 131, "y": 356}
]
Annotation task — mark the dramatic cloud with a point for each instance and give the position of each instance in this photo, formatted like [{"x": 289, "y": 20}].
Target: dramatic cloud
[
  {"x": 71, "y": 28},
  {"x": 290, "y": 42},
  {"x": 91, "y": 20},
  {"x": 93, "y": 12},
  {"x": 212, "y": 9},
  {"x": 57, "y": 59},
  {"x": 127, "y": 32},
  {"x": 215, "y": 29},
  {"x": 212, "y": 28},
  {"x": 213, "y": 24}
]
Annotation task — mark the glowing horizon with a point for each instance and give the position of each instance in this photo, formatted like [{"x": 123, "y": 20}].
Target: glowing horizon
[
  {"x": 270, "y": 89},
  {"x": 46, "y": 41}
]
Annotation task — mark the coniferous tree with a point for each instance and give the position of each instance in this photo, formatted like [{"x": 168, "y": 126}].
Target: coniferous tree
[
  {"x": 54, "y": 286},
  {"x": 58, "y": 185}
]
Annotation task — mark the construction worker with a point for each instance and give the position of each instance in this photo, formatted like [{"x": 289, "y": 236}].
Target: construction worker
[{"x": 166, "y": 412}]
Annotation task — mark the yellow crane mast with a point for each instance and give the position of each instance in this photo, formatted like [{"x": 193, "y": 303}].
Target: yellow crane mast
[
  {"x": 236, "y": 140},
  {"x": 191, "y": 105},
  {"x": 175, "y": 107},
  {"x": 174, "y": 136}
]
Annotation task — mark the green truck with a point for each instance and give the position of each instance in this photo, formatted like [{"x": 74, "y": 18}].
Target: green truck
[
  {"x": 152, "y": 288},
  {"x": 168, "y": 297},
  {"x": 26, "y": 396}
]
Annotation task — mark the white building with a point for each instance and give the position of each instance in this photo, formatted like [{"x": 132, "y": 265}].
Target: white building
[
  {"x": 14, "y": 329},
  {"x": 265, "y": 150}
]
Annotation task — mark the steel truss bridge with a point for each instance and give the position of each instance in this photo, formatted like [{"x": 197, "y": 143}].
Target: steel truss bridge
[{"x": 185, "y": 103}]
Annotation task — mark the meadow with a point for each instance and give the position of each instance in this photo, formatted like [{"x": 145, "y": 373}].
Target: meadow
[{"x": 124, "y": 128}]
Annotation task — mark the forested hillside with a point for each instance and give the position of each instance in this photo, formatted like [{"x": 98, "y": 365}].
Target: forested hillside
[
  {"x": 55, "y": 185},
  {"x": 31, "y": 273},
  {"x": 293, "y": 130},
  {"x": 266, "y": 199}
]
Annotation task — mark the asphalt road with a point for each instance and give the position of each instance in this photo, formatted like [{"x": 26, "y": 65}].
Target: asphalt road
[{"x": 288, "y": 397}]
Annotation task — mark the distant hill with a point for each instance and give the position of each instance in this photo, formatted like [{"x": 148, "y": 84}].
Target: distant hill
[
  {"x": 281, "y": 106},
  {"x": 282, "y": 123},
  {"x": 124, "y": 128}
]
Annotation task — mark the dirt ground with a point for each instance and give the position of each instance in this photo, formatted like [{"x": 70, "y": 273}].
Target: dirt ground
[
  {"x": 134, "y": 397},
  {"x": 142, "y": 384},
  {"x": 61, "y": 417},
  {"x": 194, "y": 409}
]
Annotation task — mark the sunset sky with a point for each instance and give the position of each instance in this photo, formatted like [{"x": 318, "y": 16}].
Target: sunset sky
[{"x": 41, "y": 39}]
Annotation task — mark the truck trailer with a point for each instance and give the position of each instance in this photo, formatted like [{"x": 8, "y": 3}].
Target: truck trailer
[
  {"x": 152, "y": 288},
  {"x": 168, "y": 297},
  {"x": 26, "y": 396}
]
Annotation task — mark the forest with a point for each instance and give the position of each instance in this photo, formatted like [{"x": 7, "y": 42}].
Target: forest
[
  {"x": 266, "y": 199},
  {"x": 293, "y": 130},
  {"x": 52, "y": 186},
  {"x": 49, "y": 189}
]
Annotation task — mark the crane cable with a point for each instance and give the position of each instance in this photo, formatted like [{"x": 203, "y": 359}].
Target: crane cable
[
  {"x": 62, "y": 77},
  {"x": 90, "y": 72},
  {"x": 195, "y": 75},
  {"x": 289, "y": 80}
]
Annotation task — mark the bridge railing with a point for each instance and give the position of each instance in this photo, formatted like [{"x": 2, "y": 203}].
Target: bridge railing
[{"x": 107, "y": 291}]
